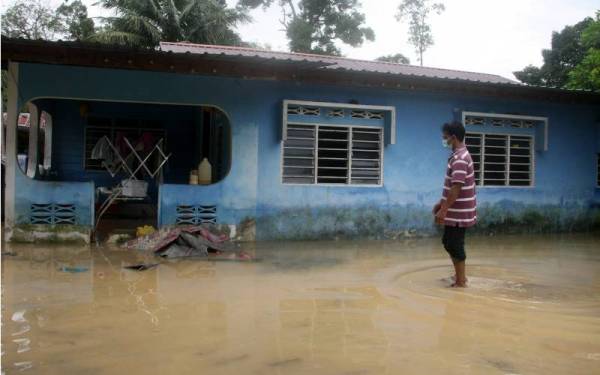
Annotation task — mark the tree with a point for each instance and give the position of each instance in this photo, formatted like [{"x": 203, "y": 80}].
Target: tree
[
  {"x": 314, "y": 26},
  {"x": 397, "y": 58},
  {"x": 567, "y": 51},
  {"x": 74, "y": 20},
  {"x": 30, "y": 19},
  {"x": 586, "y": 75},
  {"x": 532, "y": 75},
  {"x": 147, "y": 22},
  {"x": 417, "y": 12}
]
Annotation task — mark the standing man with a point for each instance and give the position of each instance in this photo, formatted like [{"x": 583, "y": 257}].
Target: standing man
[{"x": 457, "y": 208}]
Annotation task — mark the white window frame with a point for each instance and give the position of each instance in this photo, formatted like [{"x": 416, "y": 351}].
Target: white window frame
[
  {"x": 333, "y": 105},
  {"x": 544, "y": 120},
  {"x": 481, "y": 183},
  {"x": 316, "y": 157}
]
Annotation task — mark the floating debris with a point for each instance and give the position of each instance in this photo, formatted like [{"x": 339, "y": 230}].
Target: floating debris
[
  {"x": 189, "y": 242},
  {"x": 140, "y": 267},
  {"x": 285, "y": 362},
  {"x": 73, "y": 269},
  {"x": 144, "y": 230},
  {"x": 118, "y": 238}
]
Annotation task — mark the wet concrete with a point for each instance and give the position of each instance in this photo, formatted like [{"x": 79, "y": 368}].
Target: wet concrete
[{"x": 372, "y": 307}]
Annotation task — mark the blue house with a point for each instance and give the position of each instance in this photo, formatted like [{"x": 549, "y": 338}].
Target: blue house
[{"x": 301, "y": 146}]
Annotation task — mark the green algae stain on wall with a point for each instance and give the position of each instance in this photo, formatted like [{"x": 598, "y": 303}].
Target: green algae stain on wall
[
  {"x": 41, "y": 233},
  {"x": 416, "y": 221}
]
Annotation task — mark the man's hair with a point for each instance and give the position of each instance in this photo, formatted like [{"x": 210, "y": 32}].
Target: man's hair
[{"x": 455, "y": 128}]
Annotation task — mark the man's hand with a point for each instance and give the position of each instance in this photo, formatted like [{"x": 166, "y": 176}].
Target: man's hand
[
  {"x": 440, "y": 216},
  {"x": 436, "y": 208}
]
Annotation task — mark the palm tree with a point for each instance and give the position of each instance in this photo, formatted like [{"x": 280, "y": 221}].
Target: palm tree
[{"x": 145, "y": 23}]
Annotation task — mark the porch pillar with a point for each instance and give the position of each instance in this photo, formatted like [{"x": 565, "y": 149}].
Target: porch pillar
[{"x": 11, "y": 146}]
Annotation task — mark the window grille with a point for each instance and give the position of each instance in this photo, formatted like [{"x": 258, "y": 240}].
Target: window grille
[
  {"x": 52, "y": 213},
  {"x": 500, "y": 122},
  {"x": 336, "y": 113},
  {"x": 320, "y": 154},
  {"x": 501, "y": 159},
  {"x": 305, "y": 111},
  {"x": 366, "y": 114},
  {"x": 196, "y": 214},
  {"x": 474, "y": 120},
  {"x": 497, "y": 122}
]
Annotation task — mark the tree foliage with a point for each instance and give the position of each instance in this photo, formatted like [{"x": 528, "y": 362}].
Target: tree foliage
[
  {"x": 147, "y": 22},
  {"x": 32, "y": 19},
  {"x": 569, "y": 60},
  {"x": 397, "y": 58},
  {"x": 314, "y": 26},
  {"x": 74, "y": 20},
  {"x": 417, "y": 12},
  {"x": 586, "y": 75}
]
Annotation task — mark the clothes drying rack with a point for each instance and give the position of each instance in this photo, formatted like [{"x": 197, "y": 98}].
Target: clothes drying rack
[{"x": 128, "y": 189}]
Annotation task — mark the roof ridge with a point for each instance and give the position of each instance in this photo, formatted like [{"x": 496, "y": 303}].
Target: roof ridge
[{"x": 330, "y": 57}]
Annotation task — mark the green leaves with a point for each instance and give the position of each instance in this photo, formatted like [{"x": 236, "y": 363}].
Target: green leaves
[
  {"x": 417, "y": 13},
  {"x": 314, "y": 26},
  {"x": 397, "y": 59},
  {"x": 73, "y": 18},
  {"x": 147, "y": 22},
  {"x": 31, "y": 20},
  {"x": 586, "y": 75},
  {"x": 573, "y": 61}
]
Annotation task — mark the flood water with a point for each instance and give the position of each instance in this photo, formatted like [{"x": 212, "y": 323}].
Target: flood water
[{"x": 356, "y": 307}]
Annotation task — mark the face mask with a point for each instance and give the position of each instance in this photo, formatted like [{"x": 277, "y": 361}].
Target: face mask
[{"x": 445, "y": 143}]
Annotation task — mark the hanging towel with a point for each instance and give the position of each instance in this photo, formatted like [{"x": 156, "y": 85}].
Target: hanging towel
[{"x": 102, "y": 151}]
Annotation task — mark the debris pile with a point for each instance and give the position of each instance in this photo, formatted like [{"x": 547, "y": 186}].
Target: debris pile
[{"x": 189, "y": 241}]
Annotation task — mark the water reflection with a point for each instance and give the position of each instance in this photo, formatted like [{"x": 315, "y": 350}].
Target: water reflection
[{"x": 320, "y": 307}]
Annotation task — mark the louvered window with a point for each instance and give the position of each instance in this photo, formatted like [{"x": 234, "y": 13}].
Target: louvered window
[
  {"x": 501, "y": 159},
  {"x": 340, "y": 155}
]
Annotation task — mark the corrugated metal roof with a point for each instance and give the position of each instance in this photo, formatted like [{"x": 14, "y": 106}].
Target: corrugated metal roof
[
  {"x": 187, "y": 58},
  {"x": 333, "y": 62}
]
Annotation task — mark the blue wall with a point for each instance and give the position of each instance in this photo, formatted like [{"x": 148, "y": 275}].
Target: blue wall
[{"x": 565, "y": 175}]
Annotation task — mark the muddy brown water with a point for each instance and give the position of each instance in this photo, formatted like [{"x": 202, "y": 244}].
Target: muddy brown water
[{"x": 355, "y": 307}]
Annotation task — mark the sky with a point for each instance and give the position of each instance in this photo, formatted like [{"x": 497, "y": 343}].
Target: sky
[{"x": 488, "y": 36}]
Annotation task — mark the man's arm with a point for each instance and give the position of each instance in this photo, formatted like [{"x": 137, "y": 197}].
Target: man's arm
[
  {"x": 446, "y": 204},
  {"x": 452, "y": 196}
]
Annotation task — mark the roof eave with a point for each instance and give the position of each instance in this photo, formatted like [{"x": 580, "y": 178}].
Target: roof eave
[{"x": 102, "y": 56}]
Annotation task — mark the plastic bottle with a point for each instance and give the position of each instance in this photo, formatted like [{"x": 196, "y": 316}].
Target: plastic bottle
[
  {"x": 204, "y": 172},
  {"x": 193, "y": 177}
]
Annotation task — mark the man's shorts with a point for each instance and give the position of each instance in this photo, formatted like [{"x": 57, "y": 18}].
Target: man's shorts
[{"x": 454, "y": 242}]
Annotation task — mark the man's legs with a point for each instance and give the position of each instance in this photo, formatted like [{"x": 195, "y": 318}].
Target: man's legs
[
  {"x": 454, "y": 243},
  {"x": 460, "y": 278}
]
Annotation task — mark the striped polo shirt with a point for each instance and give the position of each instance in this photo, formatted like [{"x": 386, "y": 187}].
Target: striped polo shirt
[{"x": 460, "y": 170}]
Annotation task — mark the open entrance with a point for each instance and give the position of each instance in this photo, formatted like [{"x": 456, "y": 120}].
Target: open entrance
[{"x": 128, "y": 150}]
